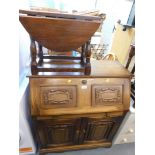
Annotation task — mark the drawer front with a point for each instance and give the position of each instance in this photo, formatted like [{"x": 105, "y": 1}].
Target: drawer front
[
  {"x": 58, "y": 96},
  {"x": 106, "y": 95}
]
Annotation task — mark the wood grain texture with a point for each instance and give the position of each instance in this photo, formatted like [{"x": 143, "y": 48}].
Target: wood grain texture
[
  {"x": 99, "y": 69},
  {"x": 75, "y": 147},
  {"x": 69, "y": 133},
  {"x": 61, "y": 14},
  {"x": 106, "y": 94},
  {"x": 61, "y": 132},
  {"x": 102, "y": 100},
  {"x": 58, "y": 96},
  {"x": 59, "y": 34},
  {"x": 84, "y": 95}
]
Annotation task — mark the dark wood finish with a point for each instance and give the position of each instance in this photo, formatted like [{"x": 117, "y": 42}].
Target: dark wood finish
[
  {"x": 40, "y": 52},
  {"x": 56, "y": 135},
  {"x": 64, "y": 57},
  {"x": 56, "y": 14},
  {"x": 75, "y": 147},
  {"x": 59, "y": 34},
  {"x": 58, "y": 96},
  {"x": 74, "y": 111},
  {"x": 74, "y": 105},
  {"x": 106, "y": 94},
  {"x": 132, "y": 70},
  {"x": 131, "y": 55},
  {"x": 55, "y": 65},
  {"x": 86, "y": 101},
  {"x": 99, "y": 69},
  {"x": 88, "y": 55},
  {"x": 98, "y": 130},
  {"x": 33, "y": 56}
]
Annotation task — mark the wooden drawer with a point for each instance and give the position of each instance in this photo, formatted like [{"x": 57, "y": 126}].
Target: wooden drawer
[{"x": 56, "y": 96}]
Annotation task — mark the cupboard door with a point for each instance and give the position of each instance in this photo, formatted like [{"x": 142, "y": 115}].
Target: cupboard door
[
  {"x": 100, "y": 130},
  {"x": 53, "y": 133}
]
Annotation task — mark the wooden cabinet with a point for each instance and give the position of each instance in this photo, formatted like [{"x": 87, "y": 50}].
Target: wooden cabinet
[
  {"x": 70, "y": 132},
  {"x": 73, "y": 112}
]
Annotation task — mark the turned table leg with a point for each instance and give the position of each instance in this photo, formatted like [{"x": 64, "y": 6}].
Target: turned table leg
[
  {"x": 88, "y": 55},
  {"x": 83, "y": 56},
  {"x": 40, "y": 52},
  {"x": 33, "y": 56}
]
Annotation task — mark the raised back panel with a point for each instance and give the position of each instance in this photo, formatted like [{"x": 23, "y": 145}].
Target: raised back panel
[{"x": 58, "y": 96}]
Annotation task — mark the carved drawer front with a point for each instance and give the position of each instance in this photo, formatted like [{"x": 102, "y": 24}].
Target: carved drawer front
[
  {"x": 58, "y": 133},
  {"x": 58, "y": 96},
  {"x": 106, "y": 95}
]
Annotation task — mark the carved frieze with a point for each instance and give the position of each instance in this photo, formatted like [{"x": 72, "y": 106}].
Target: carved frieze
[
  {"x": 106, "y": 95},
  {"x": 58, "y": 96}
]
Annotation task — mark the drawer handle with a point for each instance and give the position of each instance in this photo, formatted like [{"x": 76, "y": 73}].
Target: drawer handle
[{"x": 84, "y": 81}]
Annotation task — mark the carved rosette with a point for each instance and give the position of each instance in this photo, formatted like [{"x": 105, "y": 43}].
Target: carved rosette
[
  {"x": 106, "y": 95},
  {"x": 59, "y": 96}
]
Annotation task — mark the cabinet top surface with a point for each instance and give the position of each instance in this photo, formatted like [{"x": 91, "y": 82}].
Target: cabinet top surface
[{"x": 99, "y": 68}]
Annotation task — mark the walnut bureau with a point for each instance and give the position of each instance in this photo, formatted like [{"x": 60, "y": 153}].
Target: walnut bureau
[{"x": 74, "y": 111}]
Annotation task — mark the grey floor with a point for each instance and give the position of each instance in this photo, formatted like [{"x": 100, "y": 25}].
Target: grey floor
[{"x": 120, "y": 149}]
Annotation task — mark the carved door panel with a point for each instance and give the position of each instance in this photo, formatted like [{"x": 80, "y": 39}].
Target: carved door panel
[
  {"x": 99, "y": 130},
  {"x": 53, "y": 133}
]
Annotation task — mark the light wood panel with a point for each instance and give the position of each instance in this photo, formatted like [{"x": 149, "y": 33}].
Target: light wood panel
[{"x": 84, "y": 96}]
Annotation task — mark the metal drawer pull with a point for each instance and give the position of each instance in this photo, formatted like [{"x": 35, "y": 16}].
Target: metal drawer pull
[{"x": 84, "y": 81}]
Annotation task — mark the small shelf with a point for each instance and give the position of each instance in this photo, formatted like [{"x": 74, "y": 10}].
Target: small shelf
[{"x": 50, "y": 65}]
